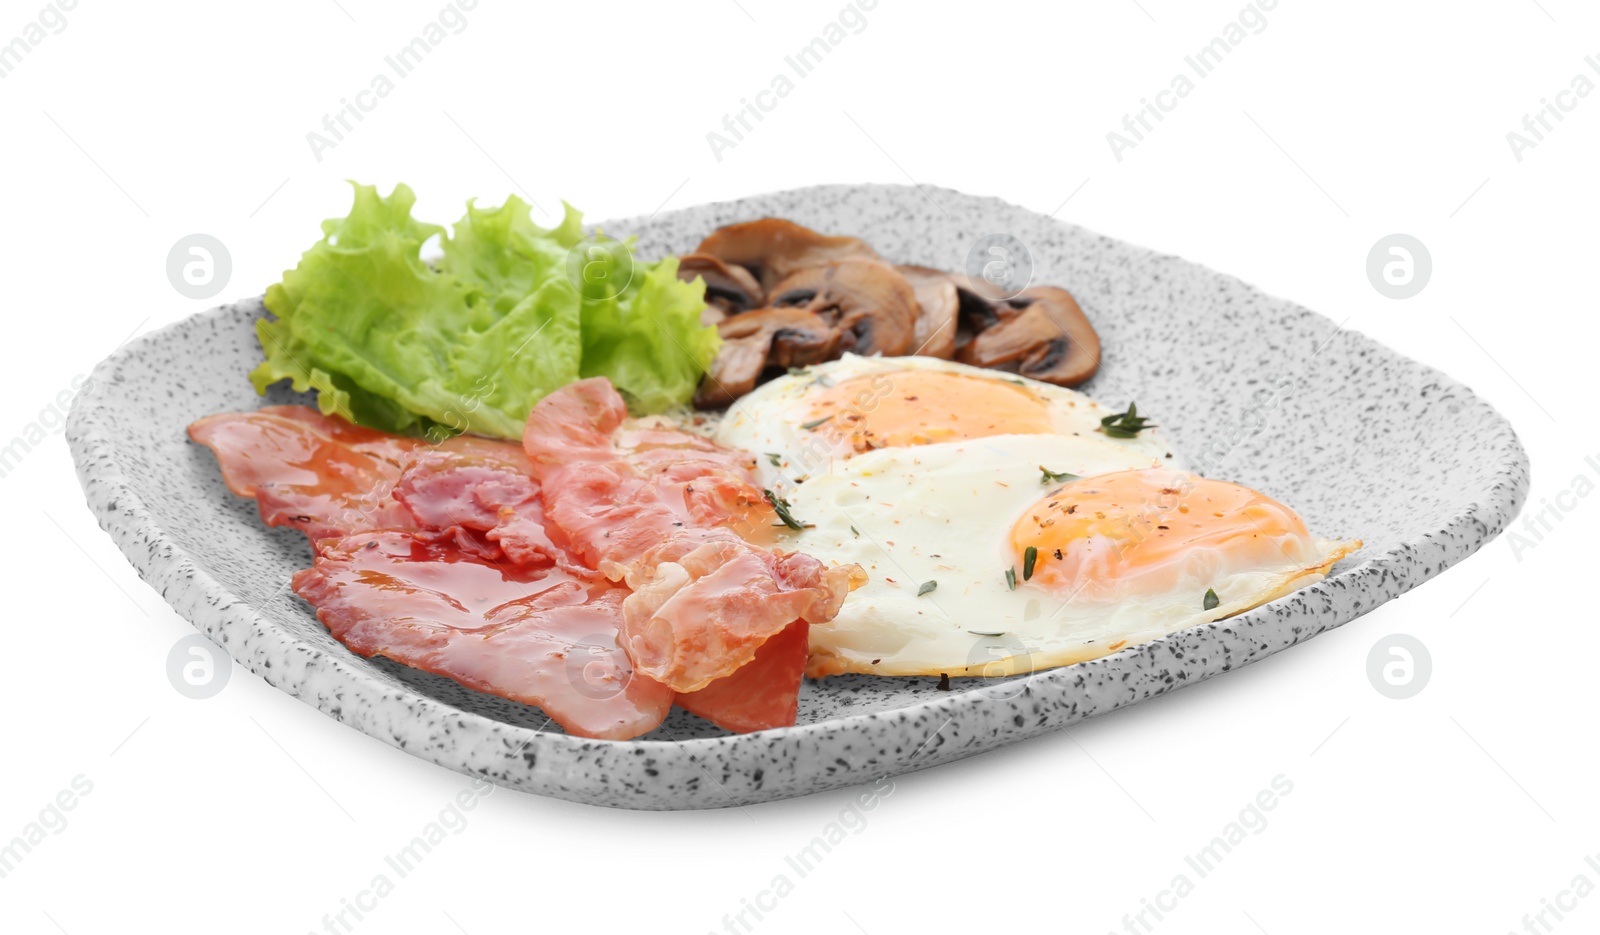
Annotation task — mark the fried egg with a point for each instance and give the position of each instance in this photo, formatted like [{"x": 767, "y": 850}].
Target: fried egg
[
  {"x": 1002, "y": 529},
  {"x": 802, "y": 424},
  {"x": 978, "y": 564}
]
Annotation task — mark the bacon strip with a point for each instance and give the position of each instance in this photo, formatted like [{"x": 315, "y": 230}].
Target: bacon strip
[
  {"x": 454, "y": 560},
  {"x": 543, "y": 637},
  {"x": 317, "y": 474},
  {"x": 436, "y": 557},
  {"x": 328, "y": 478},
  {"x": 660, "y": 510},
  {"x": 503, "y": 503},
  {"x": 762, "y": 694}
]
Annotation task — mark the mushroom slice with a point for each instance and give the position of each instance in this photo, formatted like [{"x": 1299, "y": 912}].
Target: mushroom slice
[
  {"x": 730, "y": 289},
  {"x": 773, "y": 248},
  {"x": 1039, "y": 333},
  {"x": 869, "y": 302},
  {"x": 938, "y": 304},
  {"x": 754, "y": 341},
  {"x": 978, "y": 306}
]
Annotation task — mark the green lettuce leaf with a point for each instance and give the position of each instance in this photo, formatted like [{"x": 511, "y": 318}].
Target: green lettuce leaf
[
  {"x": 471, "y": 343},
  {"x": 648, "y": 339}
]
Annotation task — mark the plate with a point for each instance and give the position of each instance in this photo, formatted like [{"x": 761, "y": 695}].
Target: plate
[{"x": 1362, "y": 441}]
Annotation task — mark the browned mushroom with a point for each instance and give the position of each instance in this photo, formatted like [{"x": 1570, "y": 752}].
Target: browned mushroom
[
  {"x": 1039, "y": 333},
  {"x": 730, "y": 289},
  {"x": 975, "y": 307},
  {"x": 774, "y": 249},
  {"x": 870, "y": 303},
  {"x": 782, "y": 295},
  {"x": 755, "y": 341},
  {"x": 938, "y": 304}
]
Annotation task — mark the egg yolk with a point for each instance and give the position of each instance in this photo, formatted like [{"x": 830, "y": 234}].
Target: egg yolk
[
  {"x": 924, "y": 407},
  {"x": 1152, "y": 529}
]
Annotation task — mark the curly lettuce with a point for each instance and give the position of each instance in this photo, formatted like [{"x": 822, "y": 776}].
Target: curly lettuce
[{"x": 511, "y": 312}]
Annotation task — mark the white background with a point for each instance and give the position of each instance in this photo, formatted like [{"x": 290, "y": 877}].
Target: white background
[{"x": 1458, "y": 810}]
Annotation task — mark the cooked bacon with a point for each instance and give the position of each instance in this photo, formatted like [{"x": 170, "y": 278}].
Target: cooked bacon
[
  {"x": 663, "y": 511},
  {"x": 315, "y": 473},
  {"x": 436, "y": 556},
  {"x": 764, "y": 693},
  {"x": 540, "y": 636},
  {"x": 328, "y": 478},
  {"x": 474, "y": 560},
  {"x": 450, "y": 494},
  {"x": 703, "y": 603}
]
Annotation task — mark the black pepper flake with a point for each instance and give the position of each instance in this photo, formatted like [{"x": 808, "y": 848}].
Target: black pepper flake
[{"x": 944, "y": 681}]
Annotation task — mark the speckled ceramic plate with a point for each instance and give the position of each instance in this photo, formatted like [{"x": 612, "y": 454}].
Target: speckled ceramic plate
[{"x": 1362, "y": 441}]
